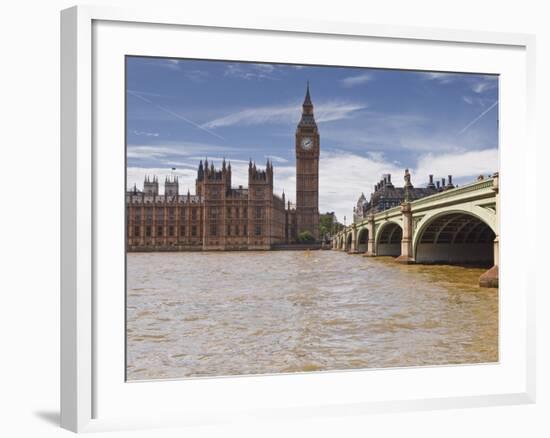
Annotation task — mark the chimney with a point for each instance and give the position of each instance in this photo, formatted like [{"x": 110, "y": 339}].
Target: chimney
[
  {"x": 442, "y": 182},
  {"x": 437, "y": 184},
  {"x": 451, "y": 181}
]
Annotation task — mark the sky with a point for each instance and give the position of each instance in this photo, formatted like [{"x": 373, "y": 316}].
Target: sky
[{"x": 371, "y": 122}]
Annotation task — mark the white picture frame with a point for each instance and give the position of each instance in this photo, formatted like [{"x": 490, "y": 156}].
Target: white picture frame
[{"x": 84, "y": 318}]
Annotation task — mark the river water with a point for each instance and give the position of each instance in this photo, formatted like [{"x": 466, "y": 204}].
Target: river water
[{"x": 229, "y": 313}]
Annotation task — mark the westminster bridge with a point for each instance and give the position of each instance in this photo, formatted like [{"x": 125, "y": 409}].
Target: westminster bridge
[{"x": 456, "y": 226}]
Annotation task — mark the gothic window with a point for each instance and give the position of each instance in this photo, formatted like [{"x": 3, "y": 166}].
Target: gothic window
[
  {"x": 159, "y": 231},
  {"x": 213, "y": 213},
  {"x": 245, "y": 212},
  {"x": 171, "y": 231},
  {"x": 194, "y": 230},
  {"x": 194, "y": 214},
  {"x": 258, "y": 230},
  {"x": 245, "y": 230},
  {"x": 229, "y": 230},
  {"x": 236, "y": 230},
  {"x": 136, "y": 231},
  {"x": 213, "y": 230},
  {"x": 148, "y": 231},
  {"x": 258, "y": 213},
  {"x": 229, "y": 212},
  {"x": 182, "y": 230}
]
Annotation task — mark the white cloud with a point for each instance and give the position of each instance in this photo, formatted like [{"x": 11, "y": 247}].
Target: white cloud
[
  {"x": 478, "y": 84},
  {"x": 324, "y": 112},
  {"x": 185, "y": 149},
  {"x": 344, "y": 176},
  {"x": 276, "y": 159},
  {"x": 267, "y": 68},
  {"x": 462, "y": 165},
  {"x": 250, "y": 71},
  {"x": 145, "y": 133},
  {"x": 172, "y": 64},
  {"x": 331, "y": 111},
  {"x": 442, "y": 78},
  {"x": 483, "y": 85},
  {"x": 352, "y": 81}
]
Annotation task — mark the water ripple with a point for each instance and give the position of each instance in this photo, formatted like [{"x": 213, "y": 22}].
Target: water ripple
[{"x": 212, "y": 314}]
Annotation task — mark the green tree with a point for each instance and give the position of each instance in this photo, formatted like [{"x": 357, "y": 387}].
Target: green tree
[
  {"x": 329, "y": 225},
  {"x": 306, "y": 237},
  {"x": 325, "y": 224}
]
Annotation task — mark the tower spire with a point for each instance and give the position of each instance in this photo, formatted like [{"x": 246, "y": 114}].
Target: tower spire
[
  {"x": 307, "y": 118},
  {"x": 307, "y": 99}
]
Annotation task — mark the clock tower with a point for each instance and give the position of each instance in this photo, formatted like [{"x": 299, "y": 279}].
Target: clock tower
[{"x": 307, "y": 171}]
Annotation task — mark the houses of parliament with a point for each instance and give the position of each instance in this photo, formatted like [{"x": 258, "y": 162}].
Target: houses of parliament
[{"x": 219, "y": 216}]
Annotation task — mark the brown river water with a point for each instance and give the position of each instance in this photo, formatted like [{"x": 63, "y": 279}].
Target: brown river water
[{"x": 218, "y": 314}]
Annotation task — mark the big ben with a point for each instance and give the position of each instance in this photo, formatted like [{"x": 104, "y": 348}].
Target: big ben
[{"x": 307, "y": 171}]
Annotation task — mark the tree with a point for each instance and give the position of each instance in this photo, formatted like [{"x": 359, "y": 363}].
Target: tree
[
  {"x": 329, "y": 225},
  {"x": 306, "y": 237},
  {"x": 325, "y": 224}
]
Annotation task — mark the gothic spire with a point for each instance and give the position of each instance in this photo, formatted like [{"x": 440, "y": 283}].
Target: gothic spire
[
  {"x": 200, "y": 172},
  {"x": 307, "y": 118},
  {"x": 307, "y": 100}
]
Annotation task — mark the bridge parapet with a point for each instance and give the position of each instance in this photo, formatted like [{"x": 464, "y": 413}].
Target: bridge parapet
[{"x": 476, "y": 188}]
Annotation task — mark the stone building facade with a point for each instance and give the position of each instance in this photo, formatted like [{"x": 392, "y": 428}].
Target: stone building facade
[
  {"x": 221, "y": 217},
  {"x": 386, "y": 195}
]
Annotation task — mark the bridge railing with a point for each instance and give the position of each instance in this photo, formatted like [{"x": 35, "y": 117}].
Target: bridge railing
[{"x": 477, "y": 185}]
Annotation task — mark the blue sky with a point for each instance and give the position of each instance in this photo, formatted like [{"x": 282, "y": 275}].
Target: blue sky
[{"x": 371, "y": 121}]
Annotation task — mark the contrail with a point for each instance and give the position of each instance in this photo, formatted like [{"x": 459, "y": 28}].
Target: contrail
[
  {"x": 478, "y": 118},
  {"x": 172, "y": 113}
]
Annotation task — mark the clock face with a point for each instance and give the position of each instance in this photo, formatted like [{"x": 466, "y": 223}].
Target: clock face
[{"x": 307, "y": 143}]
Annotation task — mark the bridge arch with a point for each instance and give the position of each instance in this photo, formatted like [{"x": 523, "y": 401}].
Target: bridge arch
[
  {"x": 456, "y": 236},
  {"x": 349, "y": 239},
  {"x": 388, "y": 239},
  {"x": 362, "y": 239}
]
